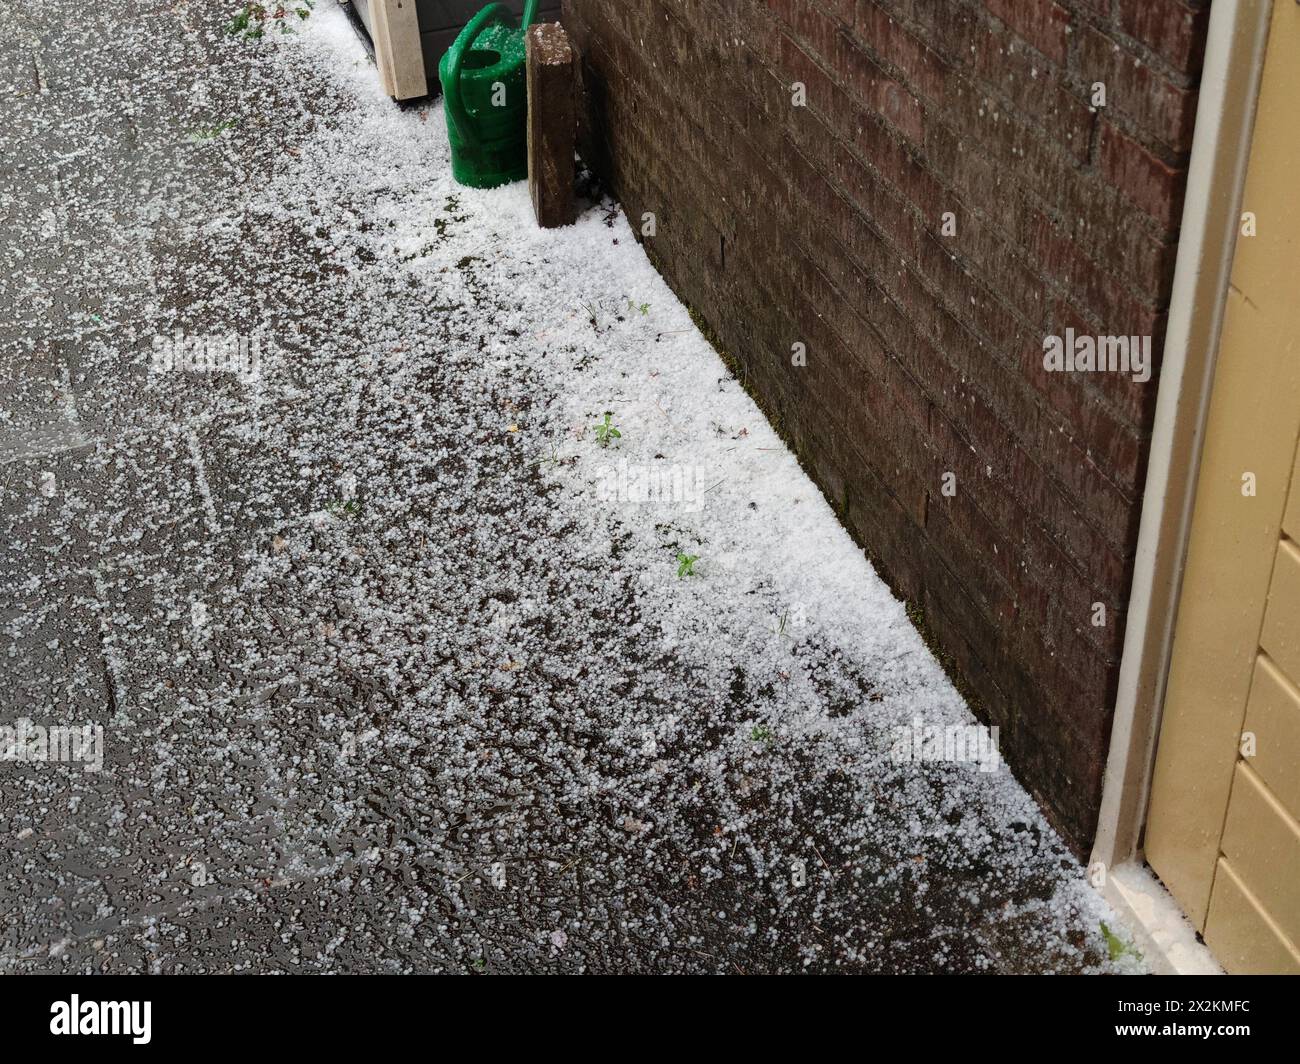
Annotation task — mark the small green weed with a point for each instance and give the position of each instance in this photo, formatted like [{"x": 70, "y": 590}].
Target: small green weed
[
  {"x": 348, "y": 509},
  {"x": 1117, "y": 946},
  {"x": 605, "y": 431},
  {"x": 252, "y": 20},
  {"x": 215, "y": 131}
]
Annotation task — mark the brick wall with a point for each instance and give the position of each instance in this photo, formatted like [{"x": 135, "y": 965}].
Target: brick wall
[{"x": 824, "y": 225}]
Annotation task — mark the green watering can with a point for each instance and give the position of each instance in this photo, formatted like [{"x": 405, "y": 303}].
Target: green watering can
[{"x": 484, "y": 85}]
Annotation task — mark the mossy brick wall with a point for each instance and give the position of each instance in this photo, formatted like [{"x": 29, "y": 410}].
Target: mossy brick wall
[{"x": 948, "y": 197}]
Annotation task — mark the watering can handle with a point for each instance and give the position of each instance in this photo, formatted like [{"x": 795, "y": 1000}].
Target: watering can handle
[{"x": 463, "y": 43}]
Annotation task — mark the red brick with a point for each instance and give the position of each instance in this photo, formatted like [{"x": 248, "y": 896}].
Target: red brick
[
  {"x": 1142, "y": 177},
  {"x": 1167, "y": 112},
  {"x": 1041, "y": 23},
  {"x": 1173, "y": 29}
]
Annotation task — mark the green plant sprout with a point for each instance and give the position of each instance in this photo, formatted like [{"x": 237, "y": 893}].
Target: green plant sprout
[
  {"x": 215, "y": 131},
  {"x": 633, "y": 305},
  {"x": 761, "y": 734},
  {"x": 686, "y": 564},
  {"x": 554, "y": 459},
  {"x": 251, "y": 20},
  {"x": 344, "y": 509},
  {"x": 606, "y": 431},
  {"x": 1117, "y": 946}
]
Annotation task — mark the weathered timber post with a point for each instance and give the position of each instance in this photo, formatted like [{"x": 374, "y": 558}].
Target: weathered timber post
[{"x": 551, "y": 124}]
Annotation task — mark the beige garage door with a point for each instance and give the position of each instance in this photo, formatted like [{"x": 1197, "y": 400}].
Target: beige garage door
[{"x": 1223, "y": 830}]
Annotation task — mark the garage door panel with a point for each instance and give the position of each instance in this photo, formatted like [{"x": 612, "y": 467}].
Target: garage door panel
[
  {"x": 1273, "y": 719},
  {"x": 1281, "y": 636},
  {"x": 1241, "y": 936},
  {"x": 1262, "y": 844},
  {"x": 1291, "y": 522}
]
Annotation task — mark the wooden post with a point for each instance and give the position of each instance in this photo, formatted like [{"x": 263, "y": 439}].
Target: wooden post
[
  {"x": 395, "y": 33},
  {"x": 551, "y": 125}
]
